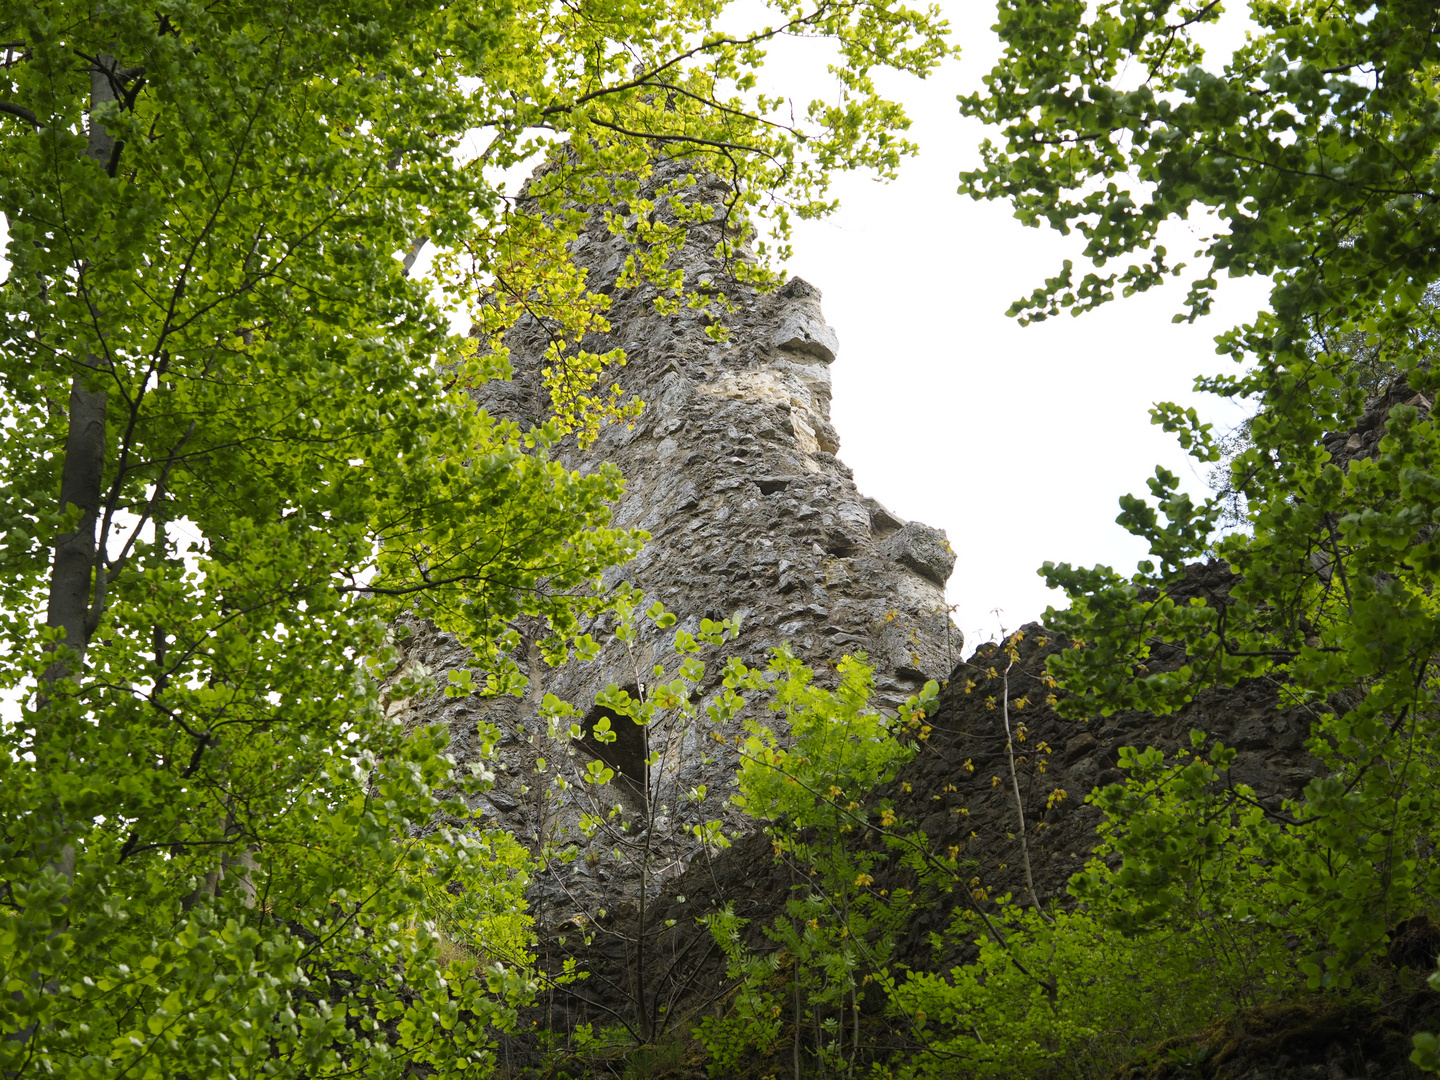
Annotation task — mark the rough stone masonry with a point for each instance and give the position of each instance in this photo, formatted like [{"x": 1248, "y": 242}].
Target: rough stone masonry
[{"x": 732, "y": 469}]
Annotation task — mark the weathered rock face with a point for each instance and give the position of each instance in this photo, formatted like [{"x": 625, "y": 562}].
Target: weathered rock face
[{"x": 732, "y": 470}]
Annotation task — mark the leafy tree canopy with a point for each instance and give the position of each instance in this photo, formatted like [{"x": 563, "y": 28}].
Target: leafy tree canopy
[
  {"x": 235, "y": 443},
  {"x": 1315, "y": 145}
]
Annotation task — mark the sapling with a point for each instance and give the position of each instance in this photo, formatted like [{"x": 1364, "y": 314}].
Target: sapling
[
  {"x": 809, "y": 787},
  {"x": 627, "y": 814}
]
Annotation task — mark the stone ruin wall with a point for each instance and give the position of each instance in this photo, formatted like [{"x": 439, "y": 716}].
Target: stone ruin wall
[{"x": 732, "y": 469}]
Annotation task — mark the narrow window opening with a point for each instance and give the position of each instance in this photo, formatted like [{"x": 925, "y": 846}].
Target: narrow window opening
[{"x": 626, "y": 754}]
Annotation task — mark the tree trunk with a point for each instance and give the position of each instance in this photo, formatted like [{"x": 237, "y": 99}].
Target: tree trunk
[
  {"x": 71, "y": 606},
  {"x": 646, "y": 1028},
  {"x": 73, "y": 570},
  {"x": 795, "y": 1046}
]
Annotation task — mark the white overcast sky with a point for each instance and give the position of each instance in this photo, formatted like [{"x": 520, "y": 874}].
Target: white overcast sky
[{"x": 1016, "y": 441}]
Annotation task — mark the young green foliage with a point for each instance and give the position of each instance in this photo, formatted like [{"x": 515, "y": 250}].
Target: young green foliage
[
  {"x": 812, "y": 787},
  {"x": 235, "y": 442},
  {"x": 1063, "y": 995},
  {"x": 1314, "y": 145},
  {"x": 1184, "y": 917},
  {"x": 624, "y": 817},
  {"x": 483, "y": 913},
  {"x": 1199, "y": 857}
]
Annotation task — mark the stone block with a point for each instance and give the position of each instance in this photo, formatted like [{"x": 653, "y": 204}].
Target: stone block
[
  {"x": 922, "y": 549},
  {"x": 803, "y": 330}
]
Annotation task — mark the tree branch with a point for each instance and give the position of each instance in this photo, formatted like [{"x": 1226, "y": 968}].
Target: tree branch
[{"x": 22, "y": 112}]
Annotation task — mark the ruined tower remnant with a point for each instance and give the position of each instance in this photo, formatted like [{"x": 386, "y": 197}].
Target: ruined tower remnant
[{"x": 732, "y": 469}]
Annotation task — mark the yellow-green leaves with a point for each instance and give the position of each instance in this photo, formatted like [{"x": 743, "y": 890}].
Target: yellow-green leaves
[
  {"x": 813, "y": 790},
  {"x": 210, "y": 209}
]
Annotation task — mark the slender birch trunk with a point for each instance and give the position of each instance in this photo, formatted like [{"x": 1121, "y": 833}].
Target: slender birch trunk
[{"x": 76, "y": 574}]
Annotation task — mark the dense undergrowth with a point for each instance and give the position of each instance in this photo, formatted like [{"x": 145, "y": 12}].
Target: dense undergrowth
[{"x": 1174, "y": 954}]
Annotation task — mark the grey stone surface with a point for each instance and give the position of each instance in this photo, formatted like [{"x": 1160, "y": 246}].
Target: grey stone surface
[
  {"x": 731, "y": 468},
  {"x": 923, "y": 550}
]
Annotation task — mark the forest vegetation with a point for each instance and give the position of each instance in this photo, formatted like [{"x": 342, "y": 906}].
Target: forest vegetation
[{"x": 236, "y": 445}]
